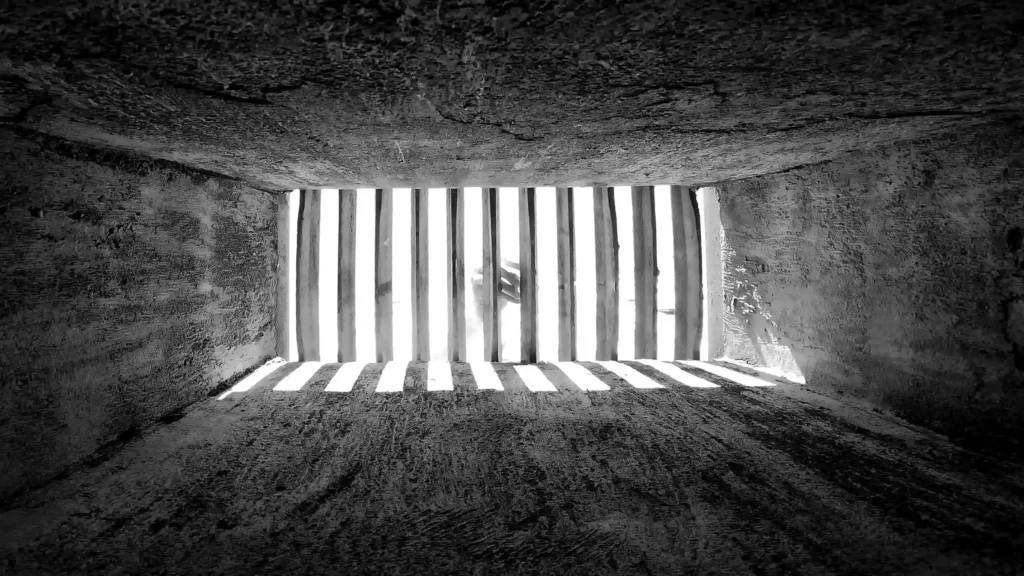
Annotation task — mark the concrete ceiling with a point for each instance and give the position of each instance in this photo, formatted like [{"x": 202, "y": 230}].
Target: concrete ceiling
[{"x": 313, "y": 93}]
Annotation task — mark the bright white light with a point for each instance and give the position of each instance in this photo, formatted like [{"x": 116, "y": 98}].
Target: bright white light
[
  {"x": 401, "y": 269},
  {"x": 666, "y": 292},
  {"x": 681, "y": 376},
  {"x": 298, "y": 377},
  {"x": 392, "y": 379},
  {"x": 254, "y": 378},
  {"x": 485, "y": 376},
  {"x": 366, "y": 334},
  {"x": 473, "y": 198},
  {"x": 329, "y": 201},
  {"x": 547, "y": 274},
  {"x": 631, "y": 376},
  {"x": 534, "y": 378},
  {"x": 293, "y": 256},
  {"x": 437, "y": 271},
  {"x": 345, "y": 378},
  {"x": 627, "y": 287},
  {"x": 586, "y": 273},
  {"x": 774, "y": 372},
  {"x": 581, "y": 377},
  {"x": 439, "y": 377},
  {"x": 706, "y": 301},
  {"x": 737, "y": 377},
  {"x": 508, "y": 229}
]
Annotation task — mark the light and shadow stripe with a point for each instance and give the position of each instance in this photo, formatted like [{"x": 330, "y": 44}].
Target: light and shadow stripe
[
  {"x": 595, "y": 276},
  {"x": 391, "y": 377}
]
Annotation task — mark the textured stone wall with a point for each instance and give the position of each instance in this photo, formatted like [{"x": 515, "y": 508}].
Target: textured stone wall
[
  {"x": 128, "y": 290},
  {"x": 895, "y": 275},
  {"x": 328, "y": 94}
]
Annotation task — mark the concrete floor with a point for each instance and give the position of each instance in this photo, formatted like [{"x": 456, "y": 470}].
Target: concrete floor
[{"x": 728, "y": 480}]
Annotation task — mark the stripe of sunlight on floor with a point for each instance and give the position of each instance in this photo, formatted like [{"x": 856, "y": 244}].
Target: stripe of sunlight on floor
[
  {"x": 485, "y": 376},
  {"x": 581, "y": 377},
  {"x": 254, "y": 378},
  {"x": 534, "y": 378},
  {"x": 631, "y": 376},
  {"x": 299, "y": 377},
  {"x": 681, "y": 376},
  {"x": 392, "y": 378},
  {"x": 737, "y": 377},
  {"x": 439, "y": 377},
  {"x": 345, "y": 378}
]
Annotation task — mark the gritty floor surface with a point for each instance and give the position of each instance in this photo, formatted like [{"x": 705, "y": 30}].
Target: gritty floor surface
[{"x": 726, "y": 480}]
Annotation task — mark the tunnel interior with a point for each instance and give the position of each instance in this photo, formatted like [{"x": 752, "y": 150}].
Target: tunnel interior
[{"x": 858, "y": 176}]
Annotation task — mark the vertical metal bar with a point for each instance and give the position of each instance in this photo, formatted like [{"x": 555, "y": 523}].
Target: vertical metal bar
[
  {"x": 687, "y": 262},
  {"x": 645, "y": 272},
  {"x": 456, "y": 276},
  {"x": 566, "y": 275},
  {"x": 420, "y": 286},
  {"x": 528, "y": 274},
  {"x": 346, "y": 275},
  {"x": 491, "y": 276},
  {"x": 383, "y": 308},
  {"x": 308, "y": 277},
  {"x": 607, "y": 264}
]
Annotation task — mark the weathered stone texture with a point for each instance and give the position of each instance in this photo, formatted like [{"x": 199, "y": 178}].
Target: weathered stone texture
[
  {"x": 728, "y": 481},
  {"x": 315, "y": 93},
  {"x": 129, "y": 290},
  {"x": 894, "y": 275}
]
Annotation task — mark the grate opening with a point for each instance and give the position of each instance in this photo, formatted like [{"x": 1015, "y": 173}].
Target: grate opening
[{"x": 521, "y": 275}]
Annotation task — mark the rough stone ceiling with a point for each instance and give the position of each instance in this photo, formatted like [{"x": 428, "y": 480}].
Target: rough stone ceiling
[{"x": 314, "y": 93}]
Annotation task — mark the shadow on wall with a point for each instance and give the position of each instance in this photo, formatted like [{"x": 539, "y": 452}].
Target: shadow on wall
[
  {"x": 893, "y": 275},
  {"x": 738, "y": 323},
  {"x": 751, "y": 335}
]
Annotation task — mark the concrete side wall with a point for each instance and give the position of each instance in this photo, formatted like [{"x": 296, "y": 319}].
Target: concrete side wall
[
  {"x": 128, "y": 291},
  {"x": 895, "y": 275}
]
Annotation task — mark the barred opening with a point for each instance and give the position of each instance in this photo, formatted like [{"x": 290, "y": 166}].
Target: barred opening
[{"x": 492, "y": 274}]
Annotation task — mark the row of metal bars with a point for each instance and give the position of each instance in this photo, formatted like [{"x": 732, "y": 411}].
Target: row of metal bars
[{"x": 299, "y": 244}]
